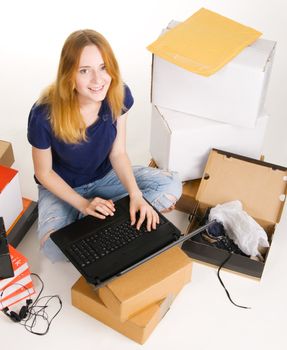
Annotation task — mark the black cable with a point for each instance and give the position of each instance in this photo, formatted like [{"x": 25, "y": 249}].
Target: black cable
[
  {"x": 226, "y": 291},
  {"x": 36, "y": 311}
]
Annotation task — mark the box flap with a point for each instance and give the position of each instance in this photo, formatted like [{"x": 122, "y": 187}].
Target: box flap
[
  {"x": 139, "y": 280},
  {"x": 256, "y": 55},
  {"x": 204, "y": 43},
  {"x": 260, "y": 186}
]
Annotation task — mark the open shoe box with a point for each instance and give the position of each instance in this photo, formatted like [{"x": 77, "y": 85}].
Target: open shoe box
[{"x": 260, "y": 186}]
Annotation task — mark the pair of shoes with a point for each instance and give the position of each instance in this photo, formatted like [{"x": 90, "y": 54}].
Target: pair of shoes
[{"x": 216, "y": 236}]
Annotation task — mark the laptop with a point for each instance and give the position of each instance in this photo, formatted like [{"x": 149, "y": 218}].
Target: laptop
[
  {"x": 102, "y": 250},
  {"x": 6, "y": 268}
]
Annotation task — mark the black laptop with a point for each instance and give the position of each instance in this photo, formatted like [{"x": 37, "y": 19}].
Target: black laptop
[
  {"x": 6, "y": 268},
  {"x": 104, "y": 249}
]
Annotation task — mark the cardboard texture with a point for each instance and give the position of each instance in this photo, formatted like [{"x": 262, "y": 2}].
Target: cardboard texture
[
  {"x": 138, "y": 328},
  {"x": 181, "y": 142},
  {"x": 147, "y": 284},
  {"x": 10, "y": 195},
  {"x": 6, "y": 153},
  {"x": 187, "y": 202},
  {"x": 203, "y": 44},
  {"x": 260, "y": 186},
  {"x": 234, "y": 95}
]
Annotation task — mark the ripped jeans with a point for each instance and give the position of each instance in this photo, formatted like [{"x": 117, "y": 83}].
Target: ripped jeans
[{"x": 159, "y": 187}]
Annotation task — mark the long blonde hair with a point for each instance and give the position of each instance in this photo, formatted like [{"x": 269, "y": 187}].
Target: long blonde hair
[{"x": 66, "y": 120}]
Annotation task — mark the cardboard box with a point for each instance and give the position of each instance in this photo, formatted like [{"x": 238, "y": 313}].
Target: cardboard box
[
  {"x": 181, "y": 142},
  {"x": 187, "y": 202},
  {"x": 138, "y": 328},
  {"x": 6, "y": 153},
  {"x": 261, "y": 187},
  {"x": 148, "y": 283},
  {"x": 10, "y": 195},
  {"x": 235, "y": 94}
]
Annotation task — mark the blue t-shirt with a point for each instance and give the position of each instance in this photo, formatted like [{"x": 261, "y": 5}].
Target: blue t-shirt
[{"x": 81, "y": 163}]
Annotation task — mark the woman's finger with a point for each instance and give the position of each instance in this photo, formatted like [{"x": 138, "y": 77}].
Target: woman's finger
[
  {"x": 149, "y": 219},
  {"x": 94, "y": 213},
  {"x": 108, "y": 203},
  {"x": 132, "y": 216},
  {"x": 105, "y": 203},
  {"x": 142, "y": 217},
  {"x": 102, "y": 207},
  {"x": 155, "y": 220}
]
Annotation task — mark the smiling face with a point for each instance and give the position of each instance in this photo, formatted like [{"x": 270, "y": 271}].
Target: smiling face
[{"x": 92, "y": 80}]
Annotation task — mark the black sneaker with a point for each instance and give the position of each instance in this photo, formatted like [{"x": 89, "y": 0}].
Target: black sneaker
[{"x": 216, "y": 236}]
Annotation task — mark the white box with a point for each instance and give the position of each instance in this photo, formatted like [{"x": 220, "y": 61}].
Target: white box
[
  {"x": 182, "y": 142},
  {"x": 235, "y": 94},
  {"x": 11, "y": 203}
]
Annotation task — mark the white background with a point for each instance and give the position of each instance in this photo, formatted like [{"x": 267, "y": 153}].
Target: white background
[{"x": 32, "y": 34}]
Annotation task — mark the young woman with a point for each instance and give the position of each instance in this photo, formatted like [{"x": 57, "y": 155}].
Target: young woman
[{"x": 77, "y": 130}]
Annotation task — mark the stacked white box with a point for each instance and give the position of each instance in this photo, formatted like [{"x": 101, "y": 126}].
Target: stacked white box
[
  {"x": 235, "y": 94},
  {"x": 193, "y": 114},
  {"x": 181, "y": 142}
]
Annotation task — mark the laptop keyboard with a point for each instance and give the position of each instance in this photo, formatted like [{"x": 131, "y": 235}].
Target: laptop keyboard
[{"x": 97, "y": 245}]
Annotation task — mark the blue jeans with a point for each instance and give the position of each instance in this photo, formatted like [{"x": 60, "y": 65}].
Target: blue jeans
[{"x": 159, "y": 187}]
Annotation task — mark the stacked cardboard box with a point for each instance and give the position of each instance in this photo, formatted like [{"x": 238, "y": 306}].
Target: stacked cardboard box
[
  {"x": 134, "y": 303},
  {"x": 193, "y": 113}
]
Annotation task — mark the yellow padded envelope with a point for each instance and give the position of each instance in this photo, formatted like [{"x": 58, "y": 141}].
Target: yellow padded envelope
[{"x": 204, "y": 43}]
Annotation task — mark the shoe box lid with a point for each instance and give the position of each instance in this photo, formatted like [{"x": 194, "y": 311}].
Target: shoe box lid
[{"x": 260, "y": 186}]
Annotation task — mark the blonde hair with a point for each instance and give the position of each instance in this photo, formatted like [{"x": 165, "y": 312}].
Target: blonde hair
[{"x": 66, "y": 120}]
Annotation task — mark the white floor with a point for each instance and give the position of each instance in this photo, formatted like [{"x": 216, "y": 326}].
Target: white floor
[{"x": 200, "y": 318}]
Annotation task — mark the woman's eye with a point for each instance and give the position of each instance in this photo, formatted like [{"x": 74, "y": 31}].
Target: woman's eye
[
  {"x": 103, "y": 68},
  {"x": 84, "y": 71}
]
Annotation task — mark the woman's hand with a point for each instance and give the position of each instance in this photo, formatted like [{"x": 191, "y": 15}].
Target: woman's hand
[
  {"x": 100, "y": 208},
  {"x": 137, "y": 203}
]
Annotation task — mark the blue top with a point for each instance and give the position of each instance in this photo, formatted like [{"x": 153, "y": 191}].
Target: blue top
[{"x": 81, "y": 163}]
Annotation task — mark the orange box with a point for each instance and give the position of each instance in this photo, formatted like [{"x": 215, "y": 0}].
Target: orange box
[
  {"x": 147, "y": 284},
  {"x": 11, "y": 203},
  {"x": 137, "y": 328}
]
